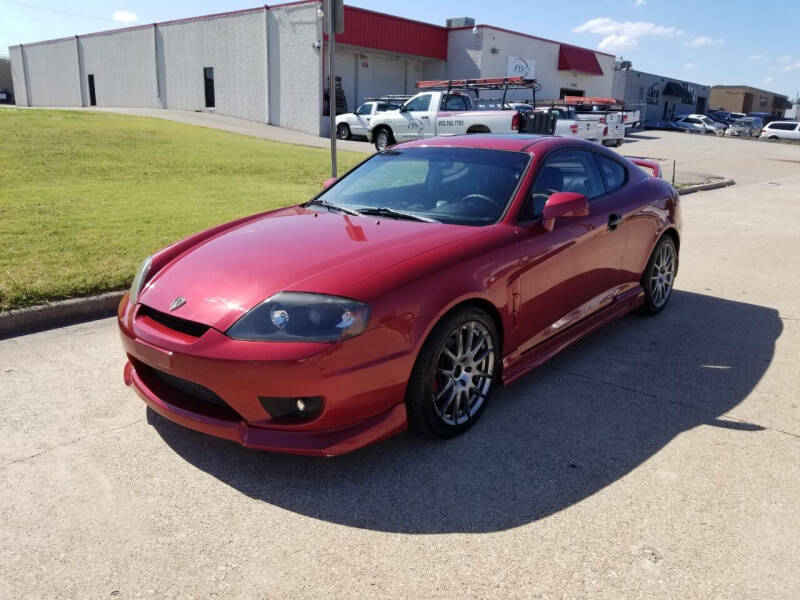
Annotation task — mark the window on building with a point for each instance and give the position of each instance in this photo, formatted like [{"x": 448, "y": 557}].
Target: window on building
[
  {"x": 208, "y": 80},
  {"x": 564, "y": 92},
  {"x": 92, "y": 95}
]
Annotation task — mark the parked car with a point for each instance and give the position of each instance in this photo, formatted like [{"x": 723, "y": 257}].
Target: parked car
[
  {"x": 746, "y": 127},
  {"x": 663, "y": 126},
  {"x": 705, "y": 123},
  {"x": 400, "y": 296},
  {"x": 6, "y": 96},
  {"x": 693, "y": 127},
  {"x": 781, "y": 130},
  {"x": 437, "y": 113},
  {"x": 357, "y": 122}
]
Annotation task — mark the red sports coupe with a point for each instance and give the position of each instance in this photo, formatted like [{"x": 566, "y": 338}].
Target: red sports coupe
[{"x": 401, "y": 295}]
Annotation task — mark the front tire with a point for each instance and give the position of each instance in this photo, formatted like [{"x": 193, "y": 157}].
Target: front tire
[
  {"x": 454, "y": 375},
  {"x": 343, "y": 131},
  {"x": 659, "y": 276},
  {"x": 383, "y": 139}
]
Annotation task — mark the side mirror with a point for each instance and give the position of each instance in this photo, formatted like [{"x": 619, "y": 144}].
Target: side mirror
[
  {"x": 330, "y": 182},
  {"x": 563, "y": 204},
  {"x": 402, "y": 108}
]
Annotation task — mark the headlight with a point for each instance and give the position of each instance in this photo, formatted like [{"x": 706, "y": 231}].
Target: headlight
[
  {"x": 302, "y": 317},
  {"x": 138, "y": 280}
]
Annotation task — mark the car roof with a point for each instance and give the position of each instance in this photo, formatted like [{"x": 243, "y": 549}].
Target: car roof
[{"x": 519, "y": 142}]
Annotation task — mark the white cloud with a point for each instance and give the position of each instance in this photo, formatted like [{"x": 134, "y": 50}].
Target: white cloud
[
  {"x": 690, "y": 65},
  {"x": 769, "y": 79},
  {"x": 702, "y": 40},
  {"x": 785, "y": 58},
  {"x": 619, "y": 35},
  {"x": 756, "y": 57},
  {"x": 640, "y": 2},
  {"x": 793, "y": 66},
  {"x": 125, "y": 16}
]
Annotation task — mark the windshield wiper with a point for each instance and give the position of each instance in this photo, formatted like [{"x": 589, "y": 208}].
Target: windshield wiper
[
  {"x": 331, "y": 206},
  {"x": 385, "y": 211}
]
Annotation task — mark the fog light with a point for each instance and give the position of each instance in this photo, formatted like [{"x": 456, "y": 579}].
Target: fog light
[{"x": 292, "y": 409}]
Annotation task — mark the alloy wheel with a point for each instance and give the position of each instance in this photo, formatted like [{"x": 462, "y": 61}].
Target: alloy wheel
[
  {"x": 464, "y": 373},
  {"x": 382, "y": 139},
  {"x": 662, "y": 275}
]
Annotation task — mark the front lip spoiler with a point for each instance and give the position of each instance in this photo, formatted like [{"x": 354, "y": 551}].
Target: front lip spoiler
[{"x": 328, "y": 442}]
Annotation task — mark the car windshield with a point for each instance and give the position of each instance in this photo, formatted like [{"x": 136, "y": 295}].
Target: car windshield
[{"x": 463, "y": 186}]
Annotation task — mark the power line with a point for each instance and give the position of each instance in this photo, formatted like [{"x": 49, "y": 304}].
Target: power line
[{"x": 58, "y": 12}]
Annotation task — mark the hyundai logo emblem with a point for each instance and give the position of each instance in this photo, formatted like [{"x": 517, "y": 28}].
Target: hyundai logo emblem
[{"x": 177, "y": 303}]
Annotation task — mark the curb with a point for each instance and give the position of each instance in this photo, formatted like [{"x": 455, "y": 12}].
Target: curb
[
  {"x": 58, "y": 314},
  {"x": 691, "y": 189}
]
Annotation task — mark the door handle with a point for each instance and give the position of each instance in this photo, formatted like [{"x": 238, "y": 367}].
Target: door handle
[
  {"x": 613, "y": 221},
  {"x": 425, "y": 117}
]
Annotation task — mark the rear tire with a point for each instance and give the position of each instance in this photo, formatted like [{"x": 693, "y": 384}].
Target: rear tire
[
  {"x": 659, "y": 276},
  {"x": 454, "y": 375},
  {"x": 343, "y": 131},
  {"x": 383, "y": 139}
]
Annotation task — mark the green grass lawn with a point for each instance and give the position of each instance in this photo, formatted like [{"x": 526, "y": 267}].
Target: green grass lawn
[{"x": 84, "y": 197}]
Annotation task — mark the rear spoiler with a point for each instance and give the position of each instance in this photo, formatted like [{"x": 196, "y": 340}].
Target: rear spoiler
[{"x": 647, "y": 164}]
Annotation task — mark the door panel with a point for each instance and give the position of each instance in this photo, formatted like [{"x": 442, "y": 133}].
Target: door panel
[{"x": 570, "y": 272}]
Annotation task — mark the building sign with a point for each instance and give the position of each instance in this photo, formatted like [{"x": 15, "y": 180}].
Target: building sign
[
  {"x": 521, "y": 67},
  {"x": 653, "y": 93}
]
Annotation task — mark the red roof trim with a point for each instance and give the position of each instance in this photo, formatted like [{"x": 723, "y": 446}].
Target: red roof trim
[
  {"x": 390, "y": 33},
  {"x": 580, "y": 60},
  {"x": 393, "y": 17},
  {"x": 533, "y": 37}
]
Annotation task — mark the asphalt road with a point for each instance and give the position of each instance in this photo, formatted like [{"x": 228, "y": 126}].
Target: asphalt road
[{"x": 659, "y": 458}]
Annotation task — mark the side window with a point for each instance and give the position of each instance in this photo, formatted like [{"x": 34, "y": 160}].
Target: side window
[
  {"x": 566, "y": 171},
  {"x": 454, "y": 102},
  {"x": 614, "y": 172},
  {"x": 365, "y": 109},
  {"x": 420, "y": 103}
]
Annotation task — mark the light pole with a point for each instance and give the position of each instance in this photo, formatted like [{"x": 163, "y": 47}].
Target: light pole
[{"x": 334, "y": 21}]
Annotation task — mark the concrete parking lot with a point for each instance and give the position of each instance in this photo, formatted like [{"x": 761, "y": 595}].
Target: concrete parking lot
[{"x": 659, "y": 458}]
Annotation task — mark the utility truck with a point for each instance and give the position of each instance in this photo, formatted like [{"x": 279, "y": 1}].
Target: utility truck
[{"x": 446, "y": 107}]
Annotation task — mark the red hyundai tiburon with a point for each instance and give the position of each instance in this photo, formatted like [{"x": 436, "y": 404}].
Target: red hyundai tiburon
[{"x": 401, "y": 295}]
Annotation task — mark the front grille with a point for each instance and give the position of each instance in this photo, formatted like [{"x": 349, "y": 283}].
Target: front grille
[
  {"x": 189, "y": 387},
  {"x": 185, "y": 394},
  {"x": 184, "y": 326}
]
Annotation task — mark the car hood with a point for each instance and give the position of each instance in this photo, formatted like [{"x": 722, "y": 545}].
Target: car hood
[{"x": 294, "y": 249}]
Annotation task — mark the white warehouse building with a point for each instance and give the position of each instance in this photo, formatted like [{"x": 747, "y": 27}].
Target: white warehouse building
[{"x": 268, "y": 63}]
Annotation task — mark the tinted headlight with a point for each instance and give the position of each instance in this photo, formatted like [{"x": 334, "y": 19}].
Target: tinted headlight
[
  {"x": 302, "y": 317},
  {"x": 138, "y": 280}
]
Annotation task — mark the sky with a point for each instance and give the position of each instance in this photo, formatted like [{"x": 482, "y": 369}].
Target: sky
[{"x": 704, "y": 42}]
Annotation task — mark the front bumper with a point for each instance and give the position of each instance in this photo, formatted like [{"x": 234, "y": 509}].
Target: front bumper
[{"x": 362, "y": 382}]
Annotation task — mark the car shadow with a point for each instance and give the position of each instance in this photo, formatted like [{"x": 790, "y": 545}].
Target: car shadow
[
  {"x": 630, "y": 137},
  {"x": 567, "y": 430}
]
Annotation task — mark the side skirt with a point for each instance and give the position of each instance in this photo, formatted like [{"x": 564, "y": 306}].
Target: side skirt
[{"x": 623, "y": 304}]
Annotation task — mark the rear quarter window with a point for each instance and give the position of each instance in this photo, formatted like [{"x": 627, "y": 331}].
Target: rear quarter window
[{"x": 615, "y": 174}]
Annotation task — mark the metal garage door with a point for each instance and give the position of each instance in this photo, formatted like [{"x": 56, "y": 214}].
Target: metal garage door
[
  {"x": 388, "y": 75},
  {"x": 346, "y": 69}
]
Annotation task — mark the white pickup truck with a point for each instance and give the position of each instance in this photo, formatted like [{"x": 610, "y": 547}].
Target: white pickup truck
[
  {"x": 608, "y": 125},
  {"x": 357, "y": 122},
  {"x": 568, "y": 126},
  {"x": 437, "y": 113}
]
